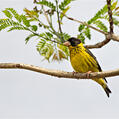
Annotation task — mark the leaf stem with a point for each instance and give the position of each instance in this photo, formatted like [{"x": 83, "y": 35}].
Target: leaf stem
[
  {"x": 50, "y": 23},
  {"x": 59, "y": 22},
  {"x": 84, "y": 23},
  {"x": 43, "y": 37}
]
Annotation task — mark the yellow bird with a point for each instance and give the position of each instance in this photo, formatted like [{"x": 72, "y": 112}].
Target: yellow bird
[{"x": 82, "y": 60}]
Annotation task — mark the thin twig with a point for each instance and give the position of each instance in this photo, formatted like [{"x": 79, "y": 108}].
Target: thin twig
[
  {"x": 94, "y": 28},
  {"x": 44, "y": 37},
  {"x": 60, "y": 29},
  {"x": 46, "y": 15},
  {"x": 60, "y": 74},
  {"x": 97, "y": 45},
  {"x": 110, "y": 23},
  {"x": 100, "y": 44},
  {"x": 55, "y": 33},
  {"x": 47, "y": 28},
  {"x": 59, "y": 22},
  {"x": 110, "y": 16},
  {"x": 113, "y": 36}
]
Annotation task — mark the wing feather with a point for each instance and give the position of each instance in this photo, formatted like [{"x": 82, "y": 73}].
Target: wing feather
[{"x": 91, "y": 54}]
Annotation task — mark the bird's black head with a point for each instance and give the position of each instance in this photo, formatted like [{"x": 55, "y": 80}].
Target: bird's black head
[{"x": 74, "y": 41}]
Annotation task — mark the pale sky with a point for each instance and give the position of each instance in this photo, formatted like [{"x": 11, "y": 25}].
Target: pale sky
[{"x": 30, "y": 95}]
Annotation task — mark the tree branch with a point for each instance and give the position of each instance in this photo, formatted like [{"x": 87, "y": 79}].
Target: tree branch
[
  {"x": 115, "y": 37},
  {"x": 60, "y": 74},
  {"x": 47, "y": 18},
  {"x": 59, "y": 22},
  {"x": 110, "y": 16},
  {"x": 100, "y": 44},
  {"x": 109, "y": 35},
  {"x": 84, "y": 23}
]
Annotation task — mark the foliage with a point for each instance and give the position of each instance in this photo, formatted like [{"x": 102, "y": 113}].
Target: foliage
[
  {"x": 51, "y": 38},
  {"x": 63, "y": 4},
  {"x": 47, "y": 3},
  {"x": 100, "y": 25},
  {"x": 99, "y": 21}
]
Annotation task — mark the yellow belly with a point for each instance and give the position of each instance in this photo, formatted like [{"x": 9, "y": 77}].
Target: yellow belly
[{"x": 82, "y": 62}]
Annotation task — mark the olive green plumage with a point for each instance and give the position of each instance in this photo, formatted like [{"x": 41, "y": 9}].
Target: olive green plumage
[{"x": 82, "y": 60}]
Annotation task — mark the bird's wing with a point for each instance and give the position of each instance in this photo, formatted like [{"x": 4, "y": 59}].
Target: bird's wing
[{"x": 91, "y": 54}]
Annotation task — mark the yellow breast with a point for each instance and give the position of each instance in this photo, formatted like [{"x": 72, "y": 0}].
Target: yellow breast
[{"x": 81, "y": 61}]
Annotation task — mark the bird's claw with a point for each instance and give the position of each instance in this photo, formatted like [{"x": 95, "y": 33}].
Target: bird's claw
[
  {"x": 88, "y": 74},
  {"x": 74, "y": 72}
]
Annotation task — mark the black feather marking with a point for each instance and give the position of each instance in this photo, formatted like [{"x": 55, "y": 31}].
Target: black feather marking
[
  {"x": 91, "y": 54},
  {"x": 107, "y": 90}
]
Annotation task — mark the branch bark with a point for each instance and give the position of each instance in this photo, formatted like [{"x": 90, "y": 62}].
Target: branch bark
[
  {"x": 57, "y": 73},
  {"x": 100, "y": 44},
  {"x": 84, "y": 23},
  {"x": 110, "y": 16}
]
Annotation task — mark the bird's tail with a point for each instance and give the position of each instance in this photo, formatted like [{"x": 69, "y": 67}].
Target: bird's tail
[
  {"x": 104, "y": 85},
  {"x": 107, "y": 90}
]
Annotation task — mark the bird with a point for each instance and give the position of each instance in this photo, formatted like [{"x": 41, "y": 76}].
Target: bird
[{"x": 83, "y": 61}]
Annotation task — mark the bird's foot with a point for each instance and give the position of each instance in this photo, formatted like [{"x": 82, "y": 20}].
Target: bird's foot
[
  {"x": 88, "y": 74},
  {"x": 74, "y": 72}
]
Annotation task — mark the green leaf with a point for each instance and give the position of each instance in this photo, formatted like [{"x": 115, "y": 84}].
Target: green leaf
[
  {"x": 40, "y": 44},
  {"x": 81, "y": 37},
  {"x": 15, "y": 23},
  {"x": 66, "y": 36},
  {"x": 117, "y": 8},
  {"x": 64, "y": 12},
  {"x": 87, "y": 33},
  {"x": 46, "y": 36},
  {"x": 49, "y": 52},
  {"x": 14, "y": 12},
  {"x": 29, "y": 37},
  {"x": 5, "y": 23},
  {"x": 34, "y": 27},
  {"x": 49, "y": 35},
  {"x": 31, "y": 14},
  {"x": 45, "y": 49},
  {"x": 10, "y": 23},
  {"x": 47, "y": 3},
  {"x": 81, "y": 27},
  {"x": 2, "y": 21},
  {"x": 25, "y": 21},
  {"x": 101, "y": 25},
  {"x": 64, "y": 49},
  {"x": 17, "y": 28},
  {"x": 98, "y": 14},
  {"x": 64, "y": 4},
  {"x": 7, "y": 13},
  {"x": 3, "y": 26},
  {"x": 116, "y": 22},
  {"x": 114, "y": 5}
]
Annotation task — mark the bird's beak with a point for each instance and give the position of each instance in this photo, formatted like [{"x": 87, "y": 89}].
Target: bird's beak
[{"x": 67, "y": 43}]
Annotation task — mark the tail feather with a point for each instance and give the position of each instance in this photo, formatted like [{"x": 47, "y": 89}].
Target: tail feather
[
  {"x": 105, "y": 80},
  {"x": 107, "y": 90}
]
